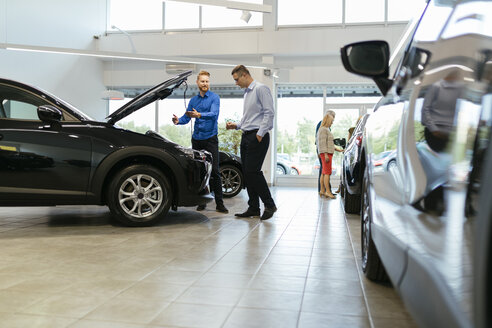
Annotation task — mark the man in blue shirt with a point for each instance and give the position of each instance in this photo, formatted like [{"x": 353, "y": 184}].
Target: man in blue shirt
[
  {"x": 204, "y": 108},
  {"x": 257, "y": 120}
]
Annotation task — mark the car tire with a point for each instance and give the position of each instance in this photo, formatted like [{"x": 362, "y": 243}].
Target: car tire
[
  {"x": 139, "y": 195},
  {"x": 351, "y": 203},
  {"x": 391, "y": 165},
  {"x": 342, "y": 190},
  {"x": 293, "y": 171},
  {"x": 281, "y": 170},
  {"x": 232, "y": 180},
  {"x": 372, "y": 266}
]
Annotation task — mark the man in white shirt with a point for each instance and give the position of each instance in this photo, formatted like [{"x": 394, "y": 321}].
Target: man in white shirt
[{"x": 257, "y": 120}]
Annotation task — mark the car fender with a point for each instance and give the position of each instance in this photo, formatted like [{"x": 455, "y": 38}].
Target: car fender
[{"x": 102, "y": 174}]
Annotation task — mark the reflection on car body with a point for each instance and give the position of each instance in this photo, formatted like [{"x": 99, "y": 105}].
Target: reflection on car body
[
  {"x": 53, "y": 154},
  {"x": 419, "y": 217}
]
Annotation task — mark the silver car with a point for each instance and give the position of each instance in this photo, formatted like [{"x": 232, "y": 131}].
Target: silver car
[{"x": 426, "y": 218}]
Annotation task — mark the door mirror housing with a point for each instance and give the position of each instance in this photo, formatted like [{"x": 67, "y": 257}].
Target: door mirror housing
[
  {"x": 369, "y": 59},
  {"x": 49, "y": 114}
]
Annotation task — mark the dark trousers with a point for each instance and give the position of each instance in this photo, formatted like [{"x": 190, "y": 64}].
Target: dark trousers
[
  {"x": 252, "y": 156},
  {"x": 212, "y": 145}
]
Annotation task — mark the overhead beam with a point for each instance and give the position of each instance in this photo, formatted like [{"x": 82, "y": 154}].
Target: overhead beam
[
  {"x": 120, "y": 55},
  {"x": 267, "y": 9}
]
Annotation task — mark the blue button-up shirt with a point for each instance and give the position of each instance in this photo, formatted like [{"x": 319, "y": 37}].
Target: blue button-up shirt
[
  {"x": 258, "y": 110},
  {"x": 208, "y": 106}
]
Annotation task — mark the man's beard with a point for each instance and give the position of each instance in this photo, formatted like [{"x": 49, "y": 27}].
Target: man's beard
[{"x": 204, "y": 89}]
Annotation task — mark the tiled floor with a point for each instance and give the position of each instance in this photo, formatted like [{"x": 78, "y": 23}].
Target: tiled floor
[{"x": 74, "y": 267}]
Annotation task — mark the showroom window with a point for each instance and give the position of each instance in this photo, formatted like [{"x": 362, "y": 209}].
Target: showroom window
[
  {"x": 311, "y": 12},
  {"x": 403, "y": 10},
  {"x": 135, "y": 15},
  {"x": 296, "y": 127},
  {"x": 220, "y": 17},
  {"x": 172, "y": 15},
  {"x": 179, "y": 16},
  {"x": 363, "y": 11}
]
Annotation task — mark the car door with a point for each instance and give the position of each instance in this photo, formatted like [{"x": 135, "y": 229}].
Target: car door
[
  {"x": 392, "y": 129},
  {"x": 442, "y": 82},
  {"x": 40, "y": 163}
]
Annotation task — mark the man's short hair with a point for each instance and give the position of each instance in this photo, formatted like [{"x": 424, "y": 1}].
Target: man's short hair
[
  {"x": 240, "y": 70},
  {"x": 202, "y": 72}
]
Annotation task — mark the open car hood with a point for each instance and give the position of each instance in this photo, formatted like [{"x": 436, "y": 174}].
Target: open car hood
[{"x": 160, "y": 91}]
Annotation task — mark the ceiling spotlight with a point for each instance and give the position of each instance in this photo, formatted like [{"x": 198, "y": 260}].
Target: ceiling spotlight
[{"x": 246, "y": 16}]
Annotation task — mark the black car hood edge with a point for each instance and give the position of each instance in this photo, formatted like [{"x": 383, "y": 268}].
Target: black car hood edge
[{"x": 160, "y": 91}]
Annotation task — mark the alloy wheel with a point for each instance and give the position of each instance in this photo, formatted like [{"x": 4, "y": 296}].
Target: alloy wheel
[{"x": 140, "y": 195}]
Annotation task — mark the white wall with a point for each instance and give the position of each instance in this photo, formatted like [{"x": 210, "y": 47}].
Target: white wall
[{"x": 55, "y": 23}]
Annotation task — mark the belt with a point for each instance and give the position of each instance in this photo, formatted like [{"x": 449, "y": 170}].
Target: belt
[{"x": 250, "y": 131}]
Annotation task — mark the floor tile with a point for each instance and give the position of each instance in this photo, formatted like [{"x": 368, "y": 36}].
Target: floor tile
[
  {"x": 121, "y": 309},
  {"x": 192, "y": 315},
  {"x": 19, "y": 320},
  {"x": 334, "y": 304},
  {"x": 249, "y": 318},
  {"x": 211, "y": 296},
  {"x": 322, "y": 320},
  {"x": 224, "y": 280},
  {"x": 272, "y": 300}
]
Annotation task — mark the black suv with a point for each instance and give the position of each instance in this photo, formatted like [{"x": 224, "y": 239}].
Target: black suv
[
  {"x": 426, "y": 216},
  {"x": 53, "y": 154}
]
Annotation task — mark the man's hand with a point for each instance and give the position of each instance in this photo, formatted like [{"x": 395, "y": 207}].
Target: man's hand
[
  {"x": 231, "y": 126},
  {"x": 259, "y": 138},
  {"x": 193, "y": 114},
  {"x": 175, "y": 119}
]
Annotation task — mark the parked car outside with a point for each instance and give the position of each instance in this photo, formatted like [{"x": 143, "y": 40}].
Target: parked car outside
[
  {"x": 286, "y": 168},
  {"x": 419, "y": 221},
  {"x": 351, "y": 175},
  {"x": 53, "y": 154}
]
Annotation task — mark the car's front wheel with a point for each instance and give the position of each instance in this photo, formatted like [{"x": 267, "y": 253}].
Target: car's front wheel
[
  {"x": 293, "y": 171},
  {"x": 232, "y": 180},
  {"x": 281, "y": 170},
  {"x": 372, "y": 266},
  {"x": 139, "y": 195}
]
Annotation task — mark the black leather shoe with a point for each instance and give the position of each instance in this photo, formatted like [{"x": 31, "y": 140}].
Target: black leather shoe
[
  {"x": 222, "y": 209},
  {"x": 201, "y": 207},
  {"x": 248, "y": 213},
  {"x": 268, "y": 212}
]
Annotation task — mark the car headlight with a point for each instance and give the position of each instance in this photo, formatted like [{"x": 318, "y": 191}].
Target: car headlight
[{"x": 200, "y": 155}]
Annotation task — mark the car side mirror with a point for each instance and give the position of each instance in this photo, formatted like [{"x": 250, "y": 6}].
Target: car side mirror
[
  {"x": 48, "y": 113},
  {"x": 369, "y": 59}
]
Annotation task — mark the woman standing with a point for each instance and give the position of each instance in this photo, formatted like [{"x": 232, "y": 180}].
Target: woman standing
[{"x": 326, "y": 148}]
